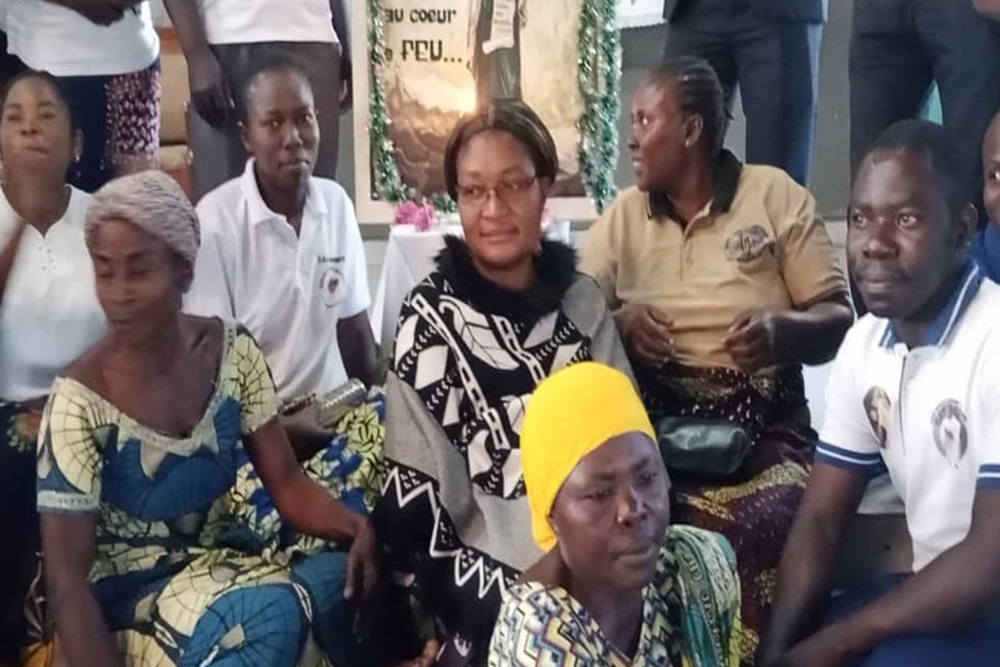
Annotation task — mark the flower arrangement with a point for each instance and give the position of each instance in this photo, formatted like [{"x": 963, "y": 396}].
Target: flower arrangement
[{"x": 420, "y": 214}]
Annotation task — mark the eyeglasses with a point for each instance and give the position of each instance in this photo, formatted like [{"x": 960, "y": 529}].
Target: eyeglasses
[{"x": 506, "y": 191}]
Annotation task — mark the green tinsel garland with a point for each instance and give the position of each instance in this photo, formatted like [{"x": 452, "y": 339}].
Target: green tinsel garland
[
  {"x": 599, "y": 79},
  {"x": 599, "y": 75}
]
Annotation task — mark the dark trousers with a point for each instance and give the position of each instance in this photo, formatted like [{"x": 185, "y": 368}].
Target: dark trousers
[
  {"x": 976, "y": 646},
  {"x": 775, "y": 64},
  {"x": 219, "y": 154},
  {"x": 899, "y": 48}
]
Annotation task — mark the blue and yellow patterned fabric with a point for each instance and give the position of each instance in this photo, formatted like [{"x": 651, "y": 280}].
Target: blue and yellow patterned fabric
[
  {"x": 691, "y": 615},
  {"x": 193, "y": 562}
]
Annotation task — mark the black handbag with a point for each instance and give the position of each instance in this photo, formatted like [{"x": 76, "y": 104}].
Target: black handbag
[{"x": 714, "y": 447}]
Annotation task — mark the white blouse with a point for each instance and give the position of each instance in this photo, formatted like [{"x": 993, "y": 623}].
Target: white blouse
[{"x": 49, "y": 313}]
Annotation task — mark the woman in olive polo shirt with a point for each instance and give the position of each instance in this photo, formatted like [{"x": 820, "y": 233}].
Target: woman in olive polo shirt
[{"x": 724, "y": 281}]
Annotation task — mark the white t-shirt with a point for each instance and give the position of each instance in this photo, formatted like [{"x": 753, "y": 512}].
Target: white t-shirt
[
  {"x": 289, "y": 291},
  {"x": 49, "y": 314},
  {"x": 249, "y": 21},
  {"x": 50, "y": 37},
  {"x": 930, "y": 415}
]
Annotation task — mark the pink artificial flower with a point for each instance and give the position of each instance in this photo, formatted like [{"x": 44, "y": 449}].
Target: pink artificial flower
[{"x": 419, "y": 214}]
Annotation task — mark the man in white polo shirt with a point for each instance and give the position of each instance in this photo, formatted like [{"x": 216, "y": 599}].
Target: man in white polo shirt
[
  {"x": 281, "y": 251},
  {"x": 221, "y": 37},
  {"x": 915, "y": 389}
]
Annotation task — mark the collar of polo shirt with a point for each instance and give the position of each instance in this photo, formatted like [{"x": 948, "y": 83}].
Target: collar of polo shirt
[
  {"x": 943, "y": 325},
  {"x": 257, "y": 209},
  {"x": 727, "y": 179}
]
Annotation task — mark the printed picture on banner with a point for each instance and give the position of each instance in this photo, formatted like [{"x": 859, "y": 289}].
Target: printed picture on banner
[{"x": 446, "y": 57}]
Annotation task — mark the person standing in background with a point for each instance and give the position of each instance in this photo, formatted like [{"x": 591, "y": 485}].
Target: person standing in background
[
  {"x": 770, "y": 49},
  {"x": 220, "y": 38},
  {"x": 105, "y": 54},
  {"x": 899, "y": 48}
]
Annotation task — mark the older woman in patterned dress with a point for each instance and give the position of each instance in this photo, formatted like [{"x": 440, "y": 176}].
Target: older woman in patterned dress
[{"x": 150, "y": 558}]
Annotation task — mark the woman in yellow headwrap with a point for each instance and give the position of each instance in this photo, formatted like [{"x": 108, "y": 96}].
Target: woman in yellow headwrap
[{"x": 616, "y": 586}]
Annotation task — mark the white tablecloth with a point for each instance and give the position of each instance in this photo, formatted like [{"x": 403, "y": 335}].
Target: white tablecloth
[{"x": 409, "y": 257}]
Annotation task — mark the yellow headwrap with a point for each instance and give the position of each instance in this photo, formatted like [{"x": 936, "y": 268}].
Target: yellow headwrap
[{"x": 572, "y": 413}]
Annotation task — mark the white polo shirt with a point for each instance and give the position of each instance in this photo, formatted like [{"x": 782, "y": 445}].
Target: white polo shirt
[
  {"x": 50, "y": 37},
  {"x": 289, "y": 291},
  {"x": 49, "y": 313},
  {"x": 250, "y": 21},
  {"x": 930, "y": 415}
]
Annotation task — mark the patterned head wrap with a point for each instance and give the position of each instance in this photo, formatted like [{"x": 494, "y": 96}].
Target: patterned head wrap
[
  {"x": 154, "y": 202},
  {"x": 572, "y": 413}
]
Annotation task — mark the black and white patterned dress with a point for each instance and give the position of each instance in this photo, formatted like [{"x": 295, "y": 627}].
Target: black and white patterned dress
[{"x": 453, "y": 515}]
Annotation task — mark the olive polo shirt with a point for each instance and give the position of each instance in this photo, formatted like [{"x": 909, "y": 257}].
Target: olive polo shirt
[{"x": 758, "y": 244}]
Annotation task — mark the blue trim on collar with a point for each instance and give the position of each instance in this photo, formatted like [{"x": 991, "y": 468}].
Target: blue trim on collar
[{"x": 950, "y": 314}]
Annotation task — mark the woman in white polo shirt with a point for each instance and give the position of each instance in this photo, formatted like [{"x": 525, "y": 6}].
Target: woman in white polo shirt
[
  {"x": 282, "y": 254},
  {"x": 106, "y": 56},
  {"x": 48, "y": 312}
]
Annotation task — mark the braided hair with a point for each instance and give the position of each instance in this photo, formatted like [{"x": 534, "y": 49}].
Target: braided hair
[{"x": 700, "y": 94}]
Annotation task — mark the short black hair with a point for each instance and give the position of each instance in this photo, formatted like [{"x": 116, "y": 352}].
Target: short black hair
[
  {"x": 700, "y": 94},
  {"x": 53, "y": 83},
  {"x": 516, "y": 119},
  {"x": 936, "y": 145},
  {"x": 267, "y": 63}
]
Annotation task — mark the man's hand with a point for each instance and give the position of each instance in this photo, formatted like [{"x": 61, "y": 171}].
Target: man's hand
[
  {"x": 362, "y": 562},
  {"x": 646, "y": 332},
  {"x": 346, "y": 82},
  {"x": 750, "y": 340},
  {"x": 826, "y": 648},
  {"x": 210, "y": 93}
]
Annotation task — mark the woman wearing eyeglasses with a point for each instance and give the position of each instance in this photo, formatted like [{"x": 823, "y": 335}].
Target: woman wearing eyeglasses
[{"x": 504, "y": 310}]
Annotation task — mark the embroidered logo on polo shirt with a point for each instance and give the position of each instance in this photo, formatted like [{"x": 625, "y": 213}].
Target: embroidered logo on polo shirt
[
  {"x": 329, "y": 286},
  {"x": 878, "y": 408},
  {"x": 950, "y": 432},
  {"x": 747, "y": 244}
]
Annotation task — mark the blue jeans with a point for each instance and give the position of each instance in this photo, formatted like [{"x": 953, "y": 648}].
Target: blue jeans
[{"x": 978, "y": 646}]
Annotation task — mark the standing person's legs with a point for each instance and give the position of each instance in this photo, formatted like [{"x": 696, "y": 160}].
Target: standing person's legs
[
  {"x": 965, "y": 50},
  {"x": 760, "y": 65},
  {"x": 800, "y": 47},
  {"x": 218, "y": 152},
  {"x": 889, "y": 74}
]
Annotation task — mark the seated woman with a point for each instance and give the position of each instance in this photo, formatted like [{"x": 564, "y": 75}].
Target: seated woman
[
  {"x": 504, "y": 309},
  {"x": 616, "y": 587},
  {"x": 282, "y": 254},
  {"x": 724, "y": 281},
  {"x": 146, "y": 562},
  {"x": 49, "y": 315}
]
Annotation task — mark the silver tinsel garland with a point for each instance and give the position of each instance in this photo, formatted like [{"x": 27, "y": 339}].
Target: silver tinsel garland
[{"x": 599, "y": 75}]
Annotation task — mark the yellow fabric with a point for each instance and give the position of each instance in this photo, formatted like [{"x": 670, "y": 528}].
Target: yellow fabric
[
  {"x": 770, "y": 250},
  {"x": 572, "y": 413}
]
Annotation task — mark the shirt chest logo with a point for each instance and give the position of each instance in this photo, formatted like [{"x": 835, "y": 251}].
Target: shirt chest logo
[
  {"x": 330, "y": 286},
  {"x": 951, "y": 433},
  {"x": 747, "y": 244},
  {"x": 878, "y": 408}
]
